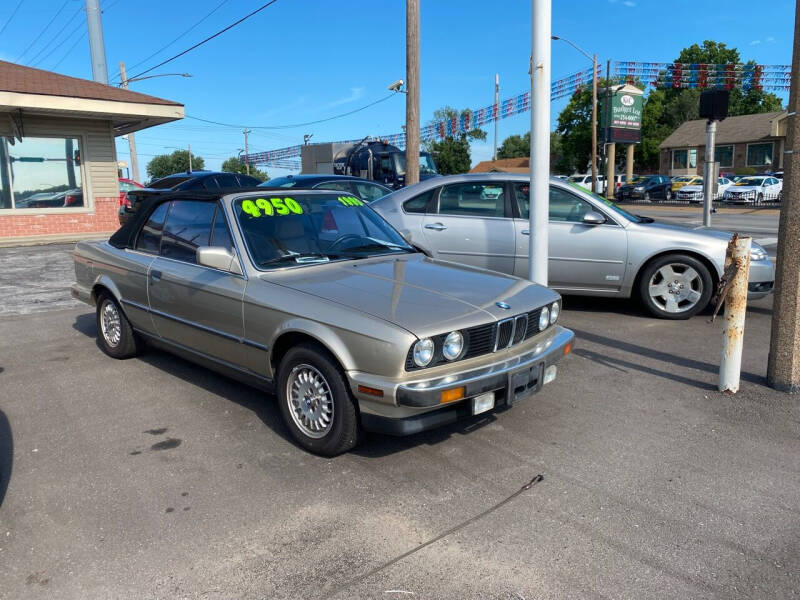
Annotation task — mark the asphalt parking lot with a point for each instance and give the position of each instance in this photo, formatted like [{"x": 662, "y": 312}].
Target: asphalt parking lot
[{"x": 152, "y": 477}]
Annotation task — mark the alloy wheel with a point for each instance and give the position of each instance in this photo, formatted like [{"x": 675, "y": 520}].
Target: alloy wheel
[
  {"x": 675, "y": 288},
  {"x": 110, "y": 323},
  {"x": 310, "y": 401}
]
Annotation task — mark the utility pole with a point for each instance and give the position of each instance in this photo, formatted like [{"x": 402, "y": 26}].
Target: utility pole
[
  {"x": 131, "y": 137},
  {"x": 594, "y": 123},
  {"x": 189, "y": 149},
  {"x": 611, "y": 148},
  {"x": 783, "y": 368},
  {"x": 412, "y": 92},
  {"x": 246, "y": 152},
  {"x": 541, "y": 25},
  {"x": 496, "y": 108},
  {"x": 97, "y": 46}
]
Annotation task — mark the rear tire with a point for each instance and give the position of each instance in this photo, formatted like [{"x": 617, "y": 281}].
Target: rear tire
[
  {"x": 316, "y": 403},
  {"x": 675, "y": 286},
  {"x": 114, "y": 331}
]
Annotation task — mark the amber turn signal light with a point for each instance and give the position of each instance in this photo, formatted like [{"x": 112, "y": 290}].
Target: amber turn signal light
[
  {"x": 371, "y": 391},
  {"x": 452, "y": 395},
  {"x": 567, "y": 348}
]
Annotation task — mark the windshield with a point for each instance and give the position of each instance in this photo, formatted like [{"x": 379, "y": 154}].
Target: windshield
[
  {"x": 682, "y": 179},
  {"x": 307, "y": 229},
  {"x": 750, "y": 181},
  {"x": 284, "y": 182},
  {"x": 608, "y": 204},
  {"x": 576, "y": 178},
  {"x": 425, "y": 163}
]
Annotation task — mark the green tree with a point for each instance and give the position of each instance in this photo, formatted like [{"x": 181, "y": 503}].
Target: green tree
[
  {"x": 234, "y": 165},
  {"x": 452, "y": 154},
  {"x": 167, "y": 164},
  {"x": 665, "y": 109},
  {"x": 515, "y": 146}
]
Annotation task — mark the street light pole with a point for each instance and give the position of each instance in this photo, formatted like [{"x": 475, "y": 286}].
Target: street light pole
[
  {"x": 97, "y": 47},
  {"x": 246, "y": 152},
  {"x": 496, "y": 102},
  {"x": 541, "y": 23},
  {"x": 131, "y": 137},
  {"x": 592, "y": 58}
]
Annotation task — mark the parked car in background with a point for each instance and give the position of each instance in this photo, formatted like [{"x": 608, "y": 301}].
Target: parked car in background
[
  {"x": 125, "y": 186},
  {"x": 645, "y": 187},
  {"x": 694, "y": 192},
  {"x": 585, "y": 181},
  {"x": 595, "y": 247},
  {"x": 362, "y": 188},
  {"x": 313, "y": 295},
  {"x": 186, "y": 181},
  {"x": 682, "y": 180},
  {"x": 752, "y": 189}
]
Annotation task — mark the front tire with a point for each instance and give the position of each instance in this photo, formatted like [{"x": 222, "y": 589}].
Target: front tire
[
  {"x": 675, "y": 286},
  {"x": 316, "y": 403},
  {"x": 667, "y": 195},
  {"x": 114, "y": 331},
  {"x": 647, "y": 196}
]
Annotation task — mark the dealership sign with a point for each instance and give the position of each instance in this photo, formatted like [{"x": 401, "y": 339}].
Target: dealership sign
[{"x": 623, "y": 114}]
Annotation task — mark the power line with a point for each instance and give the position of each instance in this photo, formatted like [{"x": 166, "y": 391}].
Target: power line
[
  {"x": 176, "y": 39},
  {"x": 75, "y": 43},
  {"x": 208, "y": 39},
  {"x": 296, "y": 124},
  {"x": 59, "y": 45},
  {"x": 11, "y": 18},
  {"x": 60, "y": 31},
  {"x": 41, "y": 33}
]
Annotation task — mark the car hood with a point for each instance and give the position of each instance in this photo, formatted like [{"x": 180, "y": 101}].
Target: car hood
[
  {"x": 692, "y": 188},
  {"x": 744, "y": 188},
  {"x": 419, "y": 294},
  {"x": 682, "y": 233}
]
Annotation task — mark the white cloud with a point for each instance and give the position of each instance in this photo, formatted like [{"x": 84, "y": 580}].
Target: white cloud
[
  {"x": 356, "y": 93},
  {"x": 629, "y": 4},
  {"x": 755, "y": 42},
  {"x": 769, "y": 39}
]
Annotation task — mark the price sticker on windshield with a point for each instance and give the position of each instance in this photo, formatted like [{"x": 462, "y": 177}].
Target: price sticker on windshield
[
  {"x": 263, "y": 207},
  {"x": 350, "y": 201}
]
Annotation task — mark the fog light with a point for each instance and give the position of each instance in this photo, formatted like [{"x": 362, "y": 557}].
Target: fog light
[
  {"x": 550, "y": 374},
  {"x": 482, "y": 403},
  {"x": 452, "y": 395}
]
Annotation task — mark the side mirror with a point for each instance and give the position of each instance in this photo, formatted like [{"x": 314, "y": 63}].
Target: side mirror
[
  {"x": 218, "y": 258},
  {"x": 593, "y": 218}
]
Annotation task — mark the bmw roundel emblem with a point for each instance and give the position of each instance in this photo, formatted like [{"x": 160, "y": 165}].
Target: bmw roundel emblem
[{"x": 503, "y": 305}]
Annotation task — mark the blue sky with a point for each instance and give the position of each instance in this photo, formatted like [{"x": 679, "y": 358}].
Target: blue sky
[{"x": 301, "y": 60}]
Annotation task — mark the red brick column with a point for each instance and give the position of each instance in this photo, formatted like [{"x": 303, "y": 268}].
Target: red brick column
[{"x": 103, "y": 219}]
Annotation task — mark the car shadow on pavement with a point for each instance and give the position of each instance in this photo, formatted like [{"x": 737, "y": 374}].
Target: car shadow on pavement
[
  {"x": 669, "y": 359},
  {"x": 6, "y": 455},
  {"x": 623, "y": 306},
  {"x": 261, "y": 403}
]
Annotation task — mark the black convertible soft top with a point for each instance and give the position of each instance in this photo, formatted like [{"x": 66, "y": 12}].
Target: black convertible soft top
[{"x": 145, "y": 202}]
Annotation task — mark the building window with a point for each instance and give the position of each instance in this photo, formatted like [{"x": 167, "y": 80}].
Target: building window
[
  {"x": 40, "y": 172},
  {"x": 759, "y": 155},
  {"x": 693, "y": 158},
  {"x": 679, "y": 158},
  {"x": 724, "y": 155}
]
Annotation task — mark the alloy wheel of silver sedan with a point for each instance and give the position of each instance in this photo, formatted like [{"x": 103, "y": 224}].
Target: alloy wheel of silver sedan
[
  {"x": 676, "y": 288},
  {"x": 110, "y": 323},
  {"x": 310, "y": 400}
]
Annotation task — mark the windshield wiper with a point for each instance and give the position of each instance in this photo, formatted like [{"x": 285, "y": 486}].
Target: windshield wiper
[
  {"x": 379, "y": 246},
  {"x": 299, "y": 258}
]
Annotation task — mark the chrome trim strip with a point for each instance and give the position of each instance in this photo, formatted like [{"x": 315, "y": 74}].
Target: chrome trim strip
[{"x": 196, "y": 325}]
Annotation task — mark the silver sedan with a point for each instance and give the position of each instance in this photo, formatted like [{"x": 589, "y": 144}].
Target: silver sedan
[{"x": 596, "y": 248}]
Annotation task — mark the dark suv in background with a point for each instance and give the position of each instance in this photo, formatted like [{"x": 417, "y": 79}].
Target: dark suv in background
[
  {"x": 186, "y": 181},
  {"x": 646, "y": 187}
]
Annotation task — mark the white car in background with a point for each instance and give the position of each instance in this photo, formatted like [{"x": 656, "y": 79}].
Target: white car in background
[
  {"x": 585, "y": 181},
  {"x": 694, "y": 192},
  {"x": 753, "y": 189}
]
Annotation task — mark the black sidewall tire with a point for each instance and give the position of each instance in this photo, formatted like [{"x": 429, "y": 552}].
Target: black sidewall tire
[
  {"x": 653, "y": 266},
  {"x": 346, "y": 432},
  {"x": 647, "y": 196},
  {"x": 129, "y": 343},
  {"x": 668, "y": 195}
]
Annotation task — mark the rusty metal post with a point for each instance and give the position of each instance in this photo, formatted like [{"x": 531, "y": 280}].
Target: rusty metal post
[{"x": 738, "y": 254}]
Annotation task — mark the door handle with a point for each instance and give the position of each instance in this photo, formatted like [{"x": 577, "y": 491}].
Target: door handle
[
  {"x": 155, "y": 275},
  {"x": 436, "y": 226},
  {"x": 525, "y": 232}
]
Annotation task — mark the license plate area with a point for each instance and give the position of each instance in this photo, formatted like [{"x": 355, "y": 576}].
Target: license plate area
[{"x": 523, "y": 383}]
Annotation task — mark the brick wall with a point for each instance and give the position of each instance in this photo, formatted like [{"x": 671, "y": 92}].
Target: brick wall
[{"x": 103, "y": 219}]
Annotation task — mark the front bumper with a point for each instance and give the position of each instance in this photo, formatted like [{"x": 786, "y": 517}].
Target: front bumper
[
  {"x": 417, "y": 405},
  {"x": 761, "y": 279}
]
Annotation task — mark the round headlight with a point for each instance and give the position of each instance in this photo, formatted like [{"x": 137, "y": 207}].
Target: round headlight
[
  {"x": 423, "y": 352},
  {"x": 453, "y": 345},
  {"x": 544, "y": 318},
  {"x": 555, "y": 310}
]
